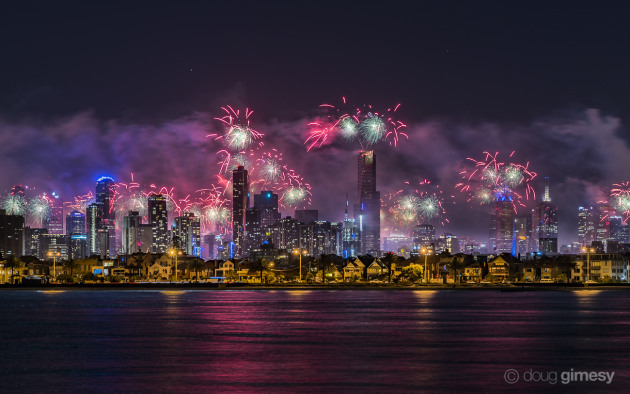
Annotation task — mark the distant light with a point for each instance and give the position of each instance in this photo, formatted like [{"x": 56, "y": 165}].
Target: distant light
[{"x": 104, "y": 178}]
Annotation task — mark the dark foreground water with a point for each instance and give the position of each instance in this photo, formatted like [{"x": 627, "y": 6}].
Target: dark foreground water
[{"x": 313, "y": 341}]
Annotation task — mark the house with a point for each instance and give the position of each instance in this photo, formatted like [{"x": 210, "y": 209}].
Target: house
[
  {"x": 376, "y": 269},
  {"x": 474, "y": 272},
  {"x": 353, "y": 270},
  {"x": 499, "y": 267},
  {"x": 226, "y": 268}
]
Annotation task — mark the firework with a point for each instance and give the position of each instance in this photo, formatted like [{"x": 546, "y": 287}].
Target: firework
[
  {"x": 487, "y": 180},
  {"x": 415, "y": 204},
  {"x": 14, "y": 204},
  {"x": 238, "y": 134},
  {"x": 620, "y": 199},
  {"x": 38, "y": 210},
  {"x": 81, "y": 202},
  {"x": 362, "y": 124}
]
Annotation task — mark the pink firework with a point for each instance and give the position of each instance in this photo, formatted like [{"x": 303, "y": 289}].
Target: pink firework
[
  {"x": 490, "y": 179},
  {"x": 238, "y": 133},
  {"x": 363, "y": 124}
]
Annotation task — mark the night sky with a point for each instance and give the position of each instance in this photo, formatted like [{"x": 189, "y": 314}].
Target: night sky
[{"x": 117, "y": 88}]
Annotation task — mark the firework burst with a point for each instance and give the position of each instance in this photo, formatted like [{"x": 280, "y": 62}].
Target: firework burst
[
  {"x": 620, "y": 199},
  {"x": 487, "y": 180},
  {"x": 14, "y": 204},
  {"x": 362, "y": 124},
  {"x": 414, "y": 204},
  {"x": 238, "y": 134}
]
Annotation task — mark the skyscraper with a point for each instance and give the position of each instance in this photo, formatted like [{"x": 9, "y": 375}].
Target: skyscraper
[
  {"x": 131, "y": 232},
  {"x": 105, "y": 202},
  {"x": 187, "y": 233},
  {"x": 423, "y": 237},
  {"x": 158, "y": 218},
  {"x": 586, "y": 226},
  {"x": 523, "y": 233},
  {"x": 502, "y": 226},
  {"x": 546, "y": 223},
  {"x": 93, "y": 222},
  {"x": 77, "y": 238},
  {"x": 54, "y": 221},
  {"x": 75, "y": 223},
  {"x": 368, "y": 211},
  {"x": 350, "y": 236},
  {"x": 240, "y": 203}
]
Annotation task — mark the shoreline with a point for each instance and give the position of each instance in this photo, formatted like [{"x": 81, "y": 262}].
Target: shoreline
[{"x": 297, "y": 287}]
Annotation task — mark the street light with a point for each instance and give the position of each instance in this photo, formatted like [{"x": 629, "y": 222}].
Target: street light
[
  {"x": 174, "y": 252},
  {"x": 425, "y": 251},
  {"x": 54, "y": 256},
  {"x": 301, "y": 252},
  {"x": 588, "y": 252}
]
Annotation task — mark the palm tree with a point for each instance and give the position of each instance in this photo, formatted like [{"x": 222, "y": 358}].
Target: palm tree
[
  {"x": 326, "y": 263},
  {"x": 71, "y": 265},
  {"x": 12, "y": 262},
  {"x": 456, "y": 266},
  {"x": 258, "y": 265},
  {"x": 196, "y": 265},
  {"x": 390, "y": 259}
]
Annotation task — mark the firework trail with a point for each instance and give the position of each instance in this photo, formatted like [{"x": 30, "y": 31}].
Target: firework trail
[
  {"x": 362, "y": 124},
  {"x": 81, "y": 202},
  {"x": 489, "y": 179},
  {"x": 297, "y": 193}
]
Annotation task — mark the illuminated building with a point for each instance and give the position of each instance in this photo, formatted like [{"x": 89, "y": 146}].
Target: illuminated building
[
  {"x": 240, "y": 203},
  {"x": 502, "y": 226},
  {"x": 145, "y": 237},
  {"x": 158, "y": 219},
  {"x": 131, "y": 232},
  {"x": 368, "y": 210},
  {"x": 546, "y": 224},
  {"x": 397, "y": 243},
  {"x": 77, "y": 237},
  {"x": 187, "y": 233},
  {"x": 93, "y": 223},
  {"x": 586, "y": 225},
  {"x": 267, "y": 204},
  {"x": 54, "y": 220},
  {"x": 263, "y": 214},
  {"x": 105, "y": 202},
  {"x": 423, "y": 237},
  {"x": 447, "y": 243},
  {"x": 350, "y": 236},
  {"x": 523, "y": 234},
  {"x": 34, "y": 242}
]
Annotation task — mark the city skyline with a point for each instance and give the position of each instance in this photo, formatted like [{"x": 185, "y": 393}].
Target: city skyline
[{"x": 493, "y": 90}]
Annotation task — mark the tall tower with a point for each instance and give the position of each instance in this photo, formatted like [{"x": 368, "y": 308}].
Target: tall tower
[
  {"x": 54, "y": 221},
  {"x": 240, "y": 203},
  {"x": 158, "y": 218},
  {"x": 187, "y": 233},
  {"x": 502, "y": 226},
  {"x": 131, "y": 232},
  {"x": 75, "y": 229},
  {"x": 93, "y": 219},
  {"x": 368, "y": 211},
  {"x": 586, "y": 226},
  {"x": 105, "y": 201},
  {"x": 546, "y": 223}
]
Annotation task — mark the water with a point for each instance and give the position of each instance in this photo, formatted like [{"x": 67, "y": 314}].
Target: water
[{"x": 311, "y": 341}]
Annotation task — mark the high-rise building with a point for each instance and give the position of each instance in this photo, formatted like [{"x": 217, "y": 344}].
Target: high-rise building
[
  {"x": 502, "y": 226},
  {"x": 34, "y": 242},
  {"x": 131, "y": 232},
  {"x": 145, "y": 237},
  {"x": 158, "y": 219},
  {"x": 586, "y": 226},
  {"x": 523, "y": 234},
  {"x": 306, "y": 215},
  {"x": 267, "y": 204},
  {"x": 11, "y": 234},
  {"x": 240, "y": 203},
  {"x": 447, "y": 243},
  {"x": 423, "y": 237},
  {"x": 350, "y": 236},
  {"x": 546, "y": 224},
  {"x": 368, "y": 210},
  {"x": 54, "y": 220},
  {"x": 75, "y": 223},
  {"x": 105, "y": 202},
  {"x": 93, "y": 223},
  {"x": 187, "y": 233}
]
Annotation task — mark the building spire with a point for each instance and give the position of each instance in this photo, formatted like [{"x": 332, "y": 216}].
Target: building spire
[{"x": 546, "y": 197}]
